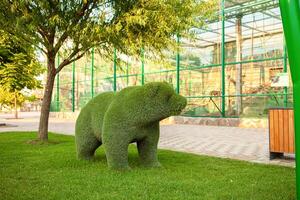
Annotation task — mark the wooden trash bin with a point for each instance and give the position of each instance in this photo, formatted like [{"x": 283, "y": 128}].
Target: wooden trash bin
[{"x": 281, "y": 132}]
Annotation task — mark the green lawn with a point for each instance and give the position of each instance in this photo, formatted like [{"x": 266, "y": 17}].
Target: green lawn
[{"x": 51, "y": 171}]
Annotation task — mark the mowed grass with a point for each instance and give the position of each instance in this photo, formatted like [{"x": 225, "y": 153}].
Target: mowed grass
[{"x": 51, "y": 171}]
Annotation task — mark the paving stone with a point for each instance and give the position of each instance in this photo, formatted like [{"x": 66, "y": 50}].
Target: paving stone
[{"x": 249, "y": 144}]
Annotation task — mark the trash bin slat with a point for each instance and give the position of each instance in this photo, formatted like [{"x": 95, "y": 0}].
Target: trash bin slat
[
  {"x": 286, "y": 130},
  {"x": 291, "y": 132},
  {"x": 272, "y": 127},
  {"x": 280, "y": 131}
]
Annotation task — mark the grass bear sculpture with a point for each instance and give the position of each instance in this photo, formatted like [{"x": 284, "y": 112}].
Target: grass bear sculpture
[{"x": 130, "y": 115}]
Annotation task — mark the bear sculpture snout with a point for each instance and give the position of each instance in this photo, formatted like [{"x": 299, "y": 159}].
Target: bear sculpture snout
[{"x": 178, "y": 103}]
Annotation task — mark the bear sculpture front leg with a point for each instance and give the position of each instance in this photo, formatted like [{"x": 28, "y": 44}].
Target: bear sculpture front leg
[
  {"x": 116, "y": 150},
  {"x": 147, "y": 147}
]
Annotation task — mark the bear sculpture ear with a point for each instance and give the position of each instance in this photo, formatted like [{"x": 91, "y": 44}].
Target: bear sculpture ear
[
  {"x": 152, "y": 89},
  {"x": 169, "y": 85}
]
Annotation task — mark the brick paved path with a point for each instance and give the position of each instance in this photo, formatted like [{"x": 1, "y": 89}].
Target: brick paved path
[{"x": 229, "y": 142}]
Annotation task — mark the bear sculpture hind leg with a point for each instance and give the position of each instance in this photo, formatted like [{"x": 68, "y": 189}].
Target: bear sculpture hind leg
[{"x": 86, "y": 146}]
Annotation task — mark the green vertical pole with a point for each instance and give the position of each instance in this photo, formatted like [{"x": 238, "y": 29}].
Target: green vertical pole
[
  {"x": 285, "y": 89},
  {"x": 190, "y": 83},
  {"x": 178, "y": 66},
  {"x": 85, "y": 69},
  {"x": 127, "y": 70},
  {"x": 115, "y": 69},
  {"x": 57, "y": 86},
  {"x": 143, "y": 66},
  {"x": 92, "y": 74},
  {"x": 73, "y": 86},
  {"x": 223, "y": 58},
  {"x": 290, "y": 13}
]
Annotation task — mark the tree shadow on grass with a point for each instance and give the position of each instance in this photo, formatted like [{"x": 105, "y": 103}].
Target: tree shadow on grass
[
  {"x": 40, "y": 142},
  {"x": 52, "y": 140},
  {"x": 133, "y": 158}
]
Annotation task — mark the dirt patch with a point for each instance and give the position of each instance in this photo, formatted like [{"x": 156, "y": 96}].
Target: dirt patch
[{"x": 39, "y": 142}]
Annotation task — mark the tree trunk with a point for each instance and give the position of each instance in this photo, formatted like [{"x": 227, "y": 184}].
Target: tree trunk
[
  {"x": 45, "y": 109},
  {"x": 16, "y": 106}
]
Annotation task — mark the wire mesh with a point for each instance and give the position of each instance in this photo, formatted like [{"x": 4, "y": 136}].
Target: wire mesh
[{"x": 227, "y": 70}]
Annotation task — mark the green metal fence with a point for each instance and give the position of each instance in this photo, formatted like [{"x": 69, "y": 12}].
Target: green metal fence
[{"x": 229, "y": 70}]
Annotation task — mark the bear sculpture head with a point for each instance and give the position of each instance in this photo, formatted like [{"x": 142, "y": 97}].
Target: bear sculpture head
[
  {"x": 161, "y": 97},
  {"x": 151, "y": 102}
]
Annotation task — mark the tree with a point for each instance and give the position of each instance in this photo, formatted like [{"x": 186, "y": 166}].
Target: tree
[
  {"x": 73, "y": 27},
  {"x": 18, "y": 69},
  {"x": 7, "y": 99}
]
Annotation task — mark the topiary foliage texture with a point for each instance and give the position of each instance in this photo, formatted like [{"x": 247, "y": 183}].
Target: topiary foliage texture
[{"x": 118, "y": 119}]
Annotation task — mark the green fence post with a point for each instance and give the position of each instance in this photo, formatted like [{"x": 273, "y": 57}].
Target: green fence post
[
  {"x": 92, "y": 74},
  {"x": 223, "y": 58},
  {"x": 290, "y": 12},
  {"x": 178, "y": 66},
  {"x": 73, "y": 86},
  {"x": 127, "y": 70},
  {"x": 143, "y": 65},
  {"x": 285, "y": 89},
  {"x": 190, "y": 82},
  {"x": 115, "y": 69},
  {"x": 57, "y": 86}
]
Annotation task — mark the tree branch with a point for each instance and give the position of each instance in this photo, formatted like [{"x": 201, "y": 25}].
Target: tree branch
[
  {"x": 44, "y": 35},
  {"x": 84, "y": 11},
  {"x": 70, "y": 59},
  {"x": 28, "y": 41}
]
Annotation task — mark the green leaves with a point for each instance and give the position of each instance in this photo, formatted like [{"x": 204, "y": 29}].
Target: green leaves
[
  {"x": 73, "y": 27},
  {"x": 154, "y": 24},
  {"x": 18, "y": 66},
  {"x": 7, "y": 98},
  {"x": 18, "y": 70}
]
